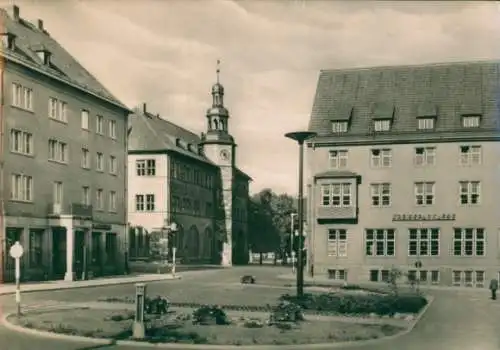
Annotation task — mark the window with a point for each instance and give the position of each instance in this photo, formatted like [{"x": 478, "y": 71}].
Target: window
[
  {"x": 425, "y": 156},
  {"x": 339, "y": 127},
  {"x": 471, "y": 121},
  {"x": 85, "y": 158},
  {"x": 339, "y": 275},
  {"x": 57, "y": 194},
  {"x": 86, "y": 195},
  {"x": 381, "y": 194},
  {"x": 99, "y": 124},
  {"x": 112, "y": 201},
  {"x": 100, "y": 199},
  {"x": 470, "y": 192},
  {"x": 112, "y": 129},
  {"x": 22, "y": 97},
  {"x": 468, "y": 278},
  {"x": 424, "y": 193},
  {"x": 423, "y": 242},
  {"x": 338, "y": 159},
  {"x": 57, "y": 110},
  {"x": 139, "y": 202},
  {"x": 58, "y": 151},
  {"x": 100, "y": 162},
  {"x": 208, "y": 209},
  {"x": 336, "y": 195},
  {"x": 85, "y": 119},
  {"x": 374, "y": 275},
  {"x": 150, "y": 202},
  {"x": 21, "y": 142},
  {"x": 470, "y": 155},
  {"x": 36, "y": 248},
  {"x": 22, "y": 188},
  {"x": 380, "y": 242},
  {"x": 112, "y": 165},
  {"x": 382, "y": 125},
  {"x": 337, "y": 242},
  {"x": 434, "y": 276},
  {"x": 145, "y": 167},
  {"x": 425, "y": 123},
  {"x": 469, "y": 242},
  {"x": 381, "y": 158}
]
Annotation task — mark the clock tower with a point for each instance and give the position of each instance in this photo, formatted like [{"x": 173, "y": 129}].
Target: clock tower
[{"x": 219, "y": 147}]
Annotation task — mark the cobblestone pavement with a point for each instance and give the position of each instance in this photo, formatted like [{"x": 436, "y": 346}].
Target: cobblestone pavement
[{"x": 465, "y": 320}]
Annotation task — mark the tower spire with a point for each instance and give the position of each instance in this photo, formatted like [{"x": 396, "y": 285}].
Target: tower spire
[{"x": 218, "y": 70}]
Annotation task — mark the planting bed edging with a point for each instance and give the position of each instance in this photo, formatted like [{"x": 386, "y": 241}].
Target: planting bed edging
[{"x": 75, "y": 338}]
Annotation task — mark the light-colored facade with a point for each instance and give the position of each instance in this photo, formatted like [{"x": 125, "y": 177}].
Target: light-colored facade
[
  {"x": 414, "y": 184},
  {"x": 176, "y": 176},
  {"x": 63, "y": 161}
]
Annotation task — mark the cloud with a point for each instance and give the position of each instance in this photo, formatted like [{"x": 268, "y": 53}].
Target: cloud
[{"x": 164, "y": 53}]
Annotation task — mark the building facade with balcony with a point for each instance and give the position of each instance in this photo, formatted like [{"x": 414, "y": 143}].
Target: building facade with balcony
[
  {"x": 404, "y": 173},
  {"x": 63, "y": 160},
  {"x": 176, "y": 176}
]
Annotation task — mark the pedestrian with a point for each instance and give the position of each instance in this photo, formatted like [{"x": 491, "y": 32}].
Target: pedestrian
[{"x": 493, "y": 288}]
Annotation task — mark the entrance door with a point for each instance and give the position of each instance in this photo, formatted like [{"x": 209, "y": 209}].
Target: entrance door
[
  {"x": 79, "y": 252},
  {"x": 59, "y": 252}
]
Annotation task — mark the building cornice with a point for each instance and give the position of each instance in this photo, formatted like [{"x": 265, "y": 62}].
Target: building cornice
[
  {"x": 66, "y": 81},
  {"x": 491, "y": 135},
  {"x": 171, "y": 152}
]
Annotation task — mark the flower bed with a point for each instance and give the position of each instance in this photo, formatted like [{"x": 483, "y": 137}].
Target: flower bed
[
  {"x": 183, "y": 328},
  {"x": 366, "y": 304}
]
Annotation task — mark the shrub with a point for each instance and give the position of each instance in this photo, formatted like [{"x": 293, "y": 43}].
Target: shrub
[
  {"x": 156, "y": 306},
  {"x": 286, "y": 311},
  {"x": 253, "y": 324},
  {"x": 247, "y": 279},
  {"x": 209, "y": 315},
  {"x": 360, "y": 304}
]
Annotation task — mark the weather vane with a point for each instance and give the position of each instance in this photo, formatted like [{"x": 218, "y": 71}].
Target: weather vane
[{"x": 218, "y": 70}]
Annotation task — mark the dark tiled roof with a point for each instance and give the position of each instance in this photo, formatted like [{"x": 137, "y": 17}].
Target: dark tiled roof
[
  {"x": 29, "y": 39},
  {"x": 450, "y": 89},
  {"x": 151, "y": 133}
]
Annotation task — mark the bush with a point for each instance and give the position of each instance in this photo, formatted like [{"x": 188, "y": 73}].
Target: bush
[
  {"x": 247, "y": 279},
  {"x": 286, "y": 311},
  {"x": 210, "y": 315},
  {"x": 360, "y": 304},
  {"x": 253, "y": 324},
  {"x": 156, "y": 306}
]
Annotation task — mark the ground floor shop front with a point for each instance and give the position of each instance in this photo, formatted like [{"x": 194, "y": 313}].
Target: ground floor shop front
[{"x": 66, "y": 248}]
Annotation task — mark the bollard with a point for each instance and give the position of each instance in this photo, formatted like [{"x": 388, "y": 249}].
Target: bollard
[
  {"x": 139, "y": 330},
  {"x": 173, "y": 260}
]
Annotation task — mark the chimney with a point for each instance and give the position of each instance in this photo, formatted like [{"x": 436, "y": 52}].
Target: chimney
[
  {"x": 144, "y": 109},
  {"x": 40, "y": 25},
  {"x": 14, "y": 12}
]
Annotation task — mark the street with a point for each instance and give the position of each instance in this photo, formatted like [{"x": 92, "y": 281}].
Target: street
[{"x": 456, "y": 320}]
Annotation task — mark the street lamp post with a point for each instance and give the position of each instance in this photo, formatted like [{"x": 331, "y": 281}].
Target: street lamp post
[
  {"x": 291, "y": 238},
  {"x": 300, "y": 137}
]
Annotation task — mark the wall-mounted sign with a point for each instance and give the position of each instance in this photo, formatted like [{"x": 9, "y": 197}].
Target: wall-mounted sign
[
  {"x": 423, "y": 217},
  {"x": 101, "y": 227}
]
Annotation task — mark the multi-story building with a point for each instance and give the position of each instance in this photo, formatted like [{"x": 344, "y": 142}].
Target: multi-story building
[
  {"x": 404, "y": 173},
  {"x": 63, "y": 160},
  {"x": 176, "y": 176}
]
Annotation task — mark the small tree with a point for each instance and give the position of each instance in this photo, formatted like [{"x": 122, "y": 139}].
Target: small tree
[{"x": 394, "y": 276}]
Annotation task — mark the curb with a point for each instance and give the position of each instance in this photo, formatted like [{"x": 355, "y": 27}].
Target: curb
[
  {"x": 139, "y": 344},
  {"x": 77, "y": 286}
]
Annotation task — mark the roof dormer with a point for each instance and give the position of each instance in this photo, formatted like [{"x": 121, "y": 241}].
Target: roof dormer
[
  {"x": 470, "y": 115},
  {"x": 426, "y": 116},
  {"x": 382, "y": 116},
  {"x": 8, "y": 40},
  {"x": 43, "y": 53},
  {"x": 340, "y": 117}
]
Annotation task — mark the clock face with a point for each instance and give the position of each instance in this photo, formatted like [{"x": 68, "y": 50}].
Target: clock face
[{"x": 224, "y": 154}]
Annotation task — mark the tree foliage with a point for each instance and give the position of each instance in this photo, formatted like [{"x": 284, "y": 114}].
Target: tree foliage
[{"x": 269, "y": 220}]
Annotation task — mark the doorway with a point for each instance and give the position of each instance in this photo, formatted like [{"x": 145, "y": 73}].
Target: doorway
[{"x": 59, "y": 252}]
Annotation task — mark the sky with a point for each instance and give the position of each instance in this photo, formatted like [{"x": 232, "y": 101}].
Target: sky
[{"x": 164, "y": 53}]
